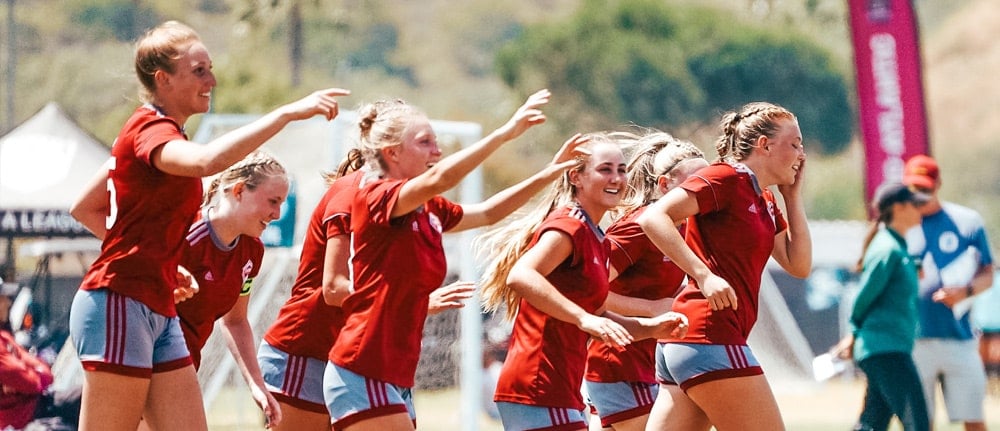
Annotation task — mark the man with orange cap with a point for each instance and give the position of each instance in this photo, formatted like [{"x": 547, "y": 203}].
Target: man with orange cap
[{"x": 956, "y": 265}]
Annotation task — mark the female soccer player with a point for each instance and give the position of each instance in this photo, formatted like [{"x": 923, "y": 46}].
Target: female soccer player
[
  {"x": 397, "y": 219},
  {"x": 734, "y": 226},
  {"x": 621, "y": 383},
  {"x": 549, "y": 269},
  {"x": 123, "y": 319}
]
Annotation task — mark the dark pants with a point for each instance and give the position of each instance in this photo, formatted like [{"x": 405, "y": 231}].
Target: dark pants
[{"x": 893, "y": 389}]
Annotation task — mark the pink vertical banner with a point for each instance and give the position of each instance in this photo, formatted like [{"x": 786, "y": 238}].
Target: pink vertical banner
[{"x": 890, "y": 87}]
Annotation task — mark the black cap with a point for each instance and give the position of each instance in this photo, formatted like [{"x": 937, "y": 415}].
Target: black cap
[{"x": 894, "y": 193}]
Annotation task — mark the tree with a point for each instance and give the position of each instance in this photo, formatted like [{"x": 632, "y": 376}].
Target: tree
[
  {"x": 256, "y": 10},
  {"x": 643, "y": 62}
]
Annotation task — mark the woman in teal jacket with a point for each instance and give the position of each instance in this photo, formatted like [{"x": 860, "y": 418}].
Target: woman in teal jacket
[{"x": 884, "y": 318}]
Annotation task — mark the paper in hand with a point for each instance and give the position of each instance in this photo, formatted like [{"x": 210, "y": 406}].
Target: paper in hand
[{"x": 827, "y": 365}]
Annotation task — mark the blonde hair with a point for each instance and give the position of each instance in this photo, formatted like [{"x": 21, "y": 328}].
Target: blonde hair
[
  {"x": 251, "y": 171},
  {"x": 380, "y": 125},
  {"x": 741, "y": 128},
  {"x": 159, "y": 49},
  {"x": 654, "y": 153},
  {"x": 353, "y": 161},
  {"x": 504, "y": 245}
]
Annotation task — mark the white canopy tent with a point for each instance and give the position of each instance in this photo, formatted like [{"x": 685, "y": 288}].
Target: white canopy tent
[{"x": 44, "y": 164}]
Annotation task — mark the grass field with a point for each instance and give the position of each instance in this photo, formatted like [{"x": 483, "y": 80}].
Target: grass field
[{"x": 806, "y": 407}]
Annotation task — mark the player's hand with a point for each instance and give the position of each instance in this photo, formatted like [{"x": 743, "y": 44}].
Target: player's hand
[
  {"x": 606, "y": 330},
  {"x": 450, "y": 296},
  {"x": 187, "y": 286},
  {"x": 268, "y": 404},
  {"x": 796, "y": 187},
  {"x": 718, "y": 292},
  {"x": 322, "y": 102},
  {"x": 528, "y": 115},
  {"x": 669, "y": 325}
]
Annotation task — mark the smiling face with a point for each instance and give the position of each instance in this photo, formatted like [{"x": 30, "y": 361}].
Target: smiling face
[
  {"x": 258, "y": 207},
  {"x": 417, "y": 152},
  {"x": 601, "y": 183},
  {"x": 786, "y": 152},
  {"x": 188, "y": 90}
]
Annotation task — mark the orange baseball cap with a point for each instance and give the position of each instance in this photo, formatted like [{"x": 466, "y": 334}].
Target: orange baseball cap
[{"x": 921, "y": 171}]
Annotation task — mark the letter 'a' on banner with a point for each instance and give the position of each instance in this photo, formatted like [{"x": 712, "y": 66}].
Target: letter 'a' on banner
[{"x": 890, "y": 87}]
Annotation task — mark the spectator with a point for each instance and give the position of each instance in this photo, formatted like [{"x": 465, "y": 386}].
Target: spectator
[
  {"x": 957, "y": 264},
  {"x": 23, "y": 377},
  {"x": 883, "y": 319}
]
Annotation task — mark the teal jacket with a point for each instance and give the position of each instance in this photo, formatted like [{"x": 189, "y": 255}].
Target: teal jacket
[{"x": 884, "y": 317}]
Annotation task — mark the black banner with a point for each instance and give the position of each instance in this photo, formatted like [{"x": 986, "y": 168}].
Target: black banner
[{"x": 41, "y": 223}]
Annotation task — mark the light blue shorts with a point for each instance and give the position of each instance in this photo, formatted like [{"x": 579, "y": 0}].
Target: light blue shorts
[
  {"x": 689, "y": 364},
  {"x": 619, "y": 401},
  {"x": 352, "y": 398},
  {"x": 117, "y": 334},
  {"x": 522, "y": 417},
  {"x": 293, "y": 380}
]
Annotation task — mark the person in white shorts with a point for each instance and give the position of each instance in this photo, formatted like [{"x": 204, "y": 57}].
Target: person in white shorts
[{"x": 956, "y": 264}]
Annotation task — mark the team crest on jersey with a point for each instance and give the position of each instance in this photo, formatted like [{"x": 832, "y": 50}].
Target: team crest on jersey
[
  {"x": 209, "y": 276},
  {"x": 435, "y": 222},
  {"x": 247, "y": 281},
  {"x": 753, "y": 208},
  {"x": 948, "y": 242}
]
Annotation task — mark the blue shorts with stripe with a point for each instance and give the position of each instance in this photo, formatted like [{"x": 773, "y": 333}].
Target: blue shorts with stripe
[
  {"x": 293, "y": 380},
  {"x": 524, "y": 417},
  {"x": 117, "y": 334},
  {"x": 619, "y": 401},
  {"x": 352, "y": 398},
  {"x": 689, "y": 364}
]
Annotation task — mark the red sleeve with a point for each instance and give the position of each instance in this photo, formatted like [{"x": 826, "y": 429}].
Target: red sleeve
[
  {"x": 449, "y": 212},
  {"x": 20, "y": 371},
  {"x": 337, "y": 214},
  {"x": 568, "y": 226},
  {"x": 378, "y": 198},
  {"x": 627, "y": 241},
  {"x": 152, "y": 135},
  {"x": 711, "y": 186}
]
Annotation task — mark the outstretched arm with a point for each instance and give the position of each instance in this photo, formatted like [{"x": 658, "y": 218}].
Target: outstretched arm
[
  {"x": 189, "y": 159},
  {"x": 507, "y": 201},
  {"x": 447, "y": 173}
]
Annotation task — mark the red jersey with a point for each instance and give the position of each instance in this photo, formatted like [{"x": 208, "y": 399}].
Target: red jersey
[
  {"x": 546, "y": 358},
  {"x": 733, "y": 233},
  {"x": 306, "y": 325},
  {"x": 397, "y": 263},
  {"x": 643, "y": 272},
  {"x": 224, "y": 273},
  {"x": 24, "y": 378},
  {"x": 150, "y": 214}
]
